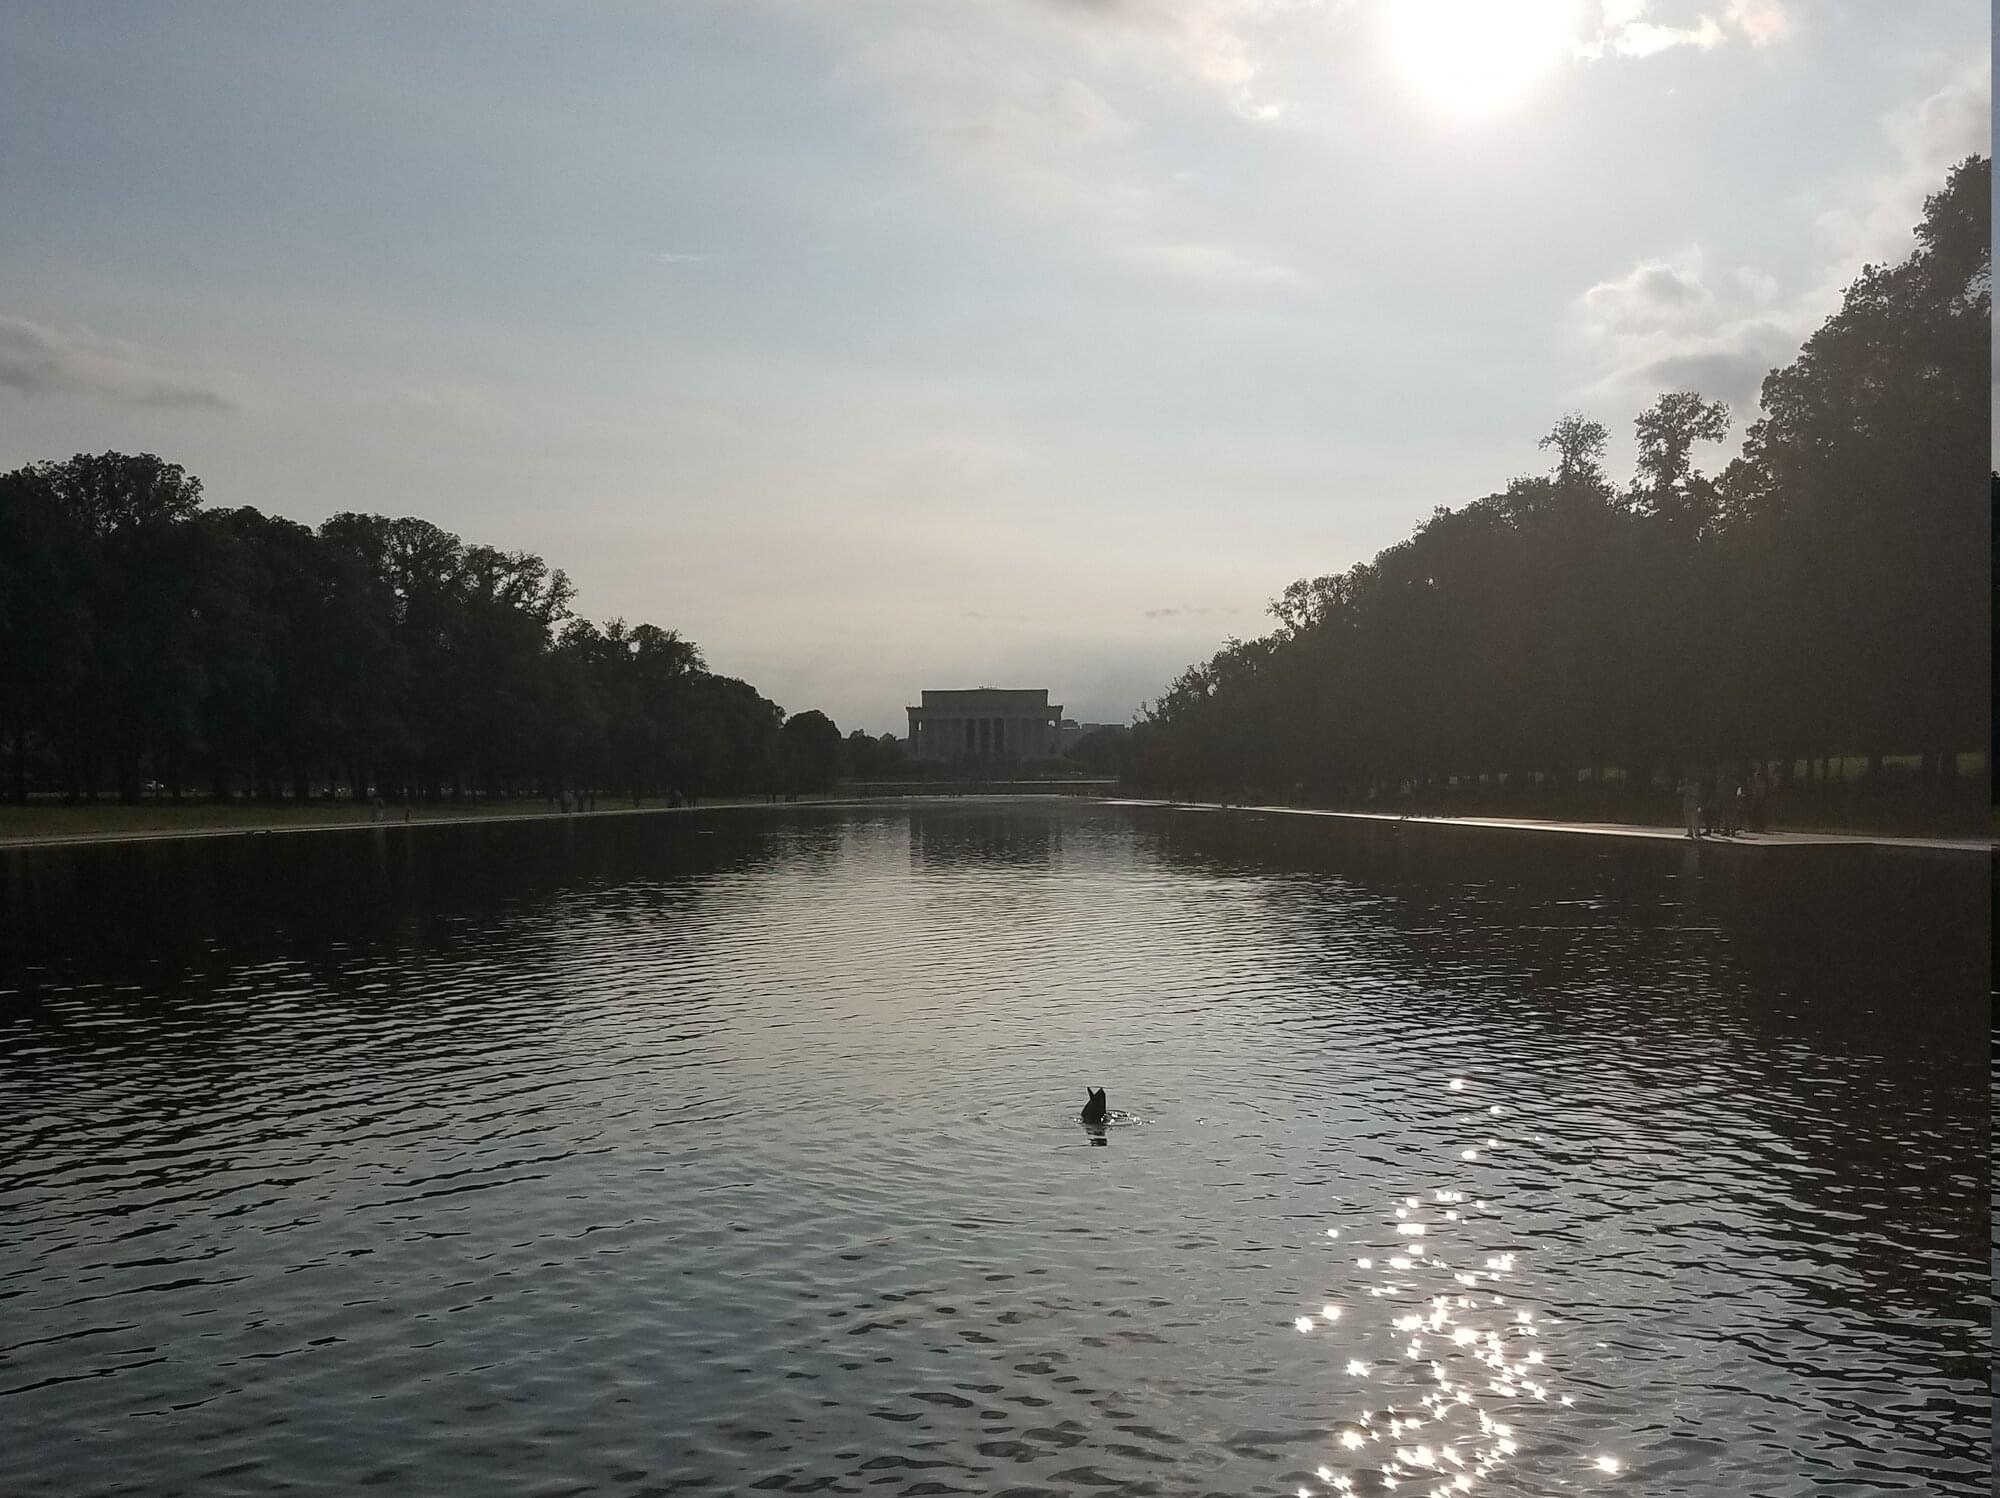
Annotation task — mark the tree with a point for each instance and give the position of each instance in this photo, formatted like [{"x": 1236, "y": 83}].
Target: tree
[
  {"x": 747, "y": 726},
  {"x": 108, "y": 618},
  {"x": 865, "y": 758},
  {"x": 1861, "y": 493},
  {"x": 46, "y": 566},
  {"x": 1667, "y": 485},
  {"x": 1579, "y": 444},
  {"x": 1101, "y": 751},
  {"x": 808, "y": 752}
]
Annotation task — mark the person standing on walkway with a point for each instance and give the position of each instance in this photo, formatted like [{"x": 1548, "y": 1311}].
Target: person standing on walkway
[
  {"x": 1691, "y": 805},
  {"x": 1730, "y": 790},
  {"x": 1760, "y": 795}
]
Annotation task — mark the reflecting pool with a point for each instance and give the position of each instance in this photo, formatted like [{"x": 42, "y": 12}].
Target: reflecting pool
[{"x": 739, "y": 1151}]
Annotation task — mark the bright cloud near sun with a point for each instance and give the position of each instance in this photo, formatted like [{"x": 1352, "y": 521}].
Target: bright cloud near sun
[{"x": 1479, "y": 56}]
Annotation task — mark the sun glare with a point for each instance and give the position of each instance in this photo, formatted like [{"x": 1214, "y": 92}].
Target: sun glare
[{"x": 1477, "y": 57}]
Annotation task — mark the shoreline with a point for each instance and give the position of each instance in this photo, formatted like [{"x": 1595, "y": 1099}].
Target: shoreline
[
  {"x": 1630, "y": 831},
  {"x": 10, "y": 842},
  {"x": 1619, "y": 830}
]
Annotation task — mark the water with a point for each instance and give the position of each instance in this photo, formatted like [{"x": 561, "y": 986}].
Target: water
[{"x": 739, "y": 1152}]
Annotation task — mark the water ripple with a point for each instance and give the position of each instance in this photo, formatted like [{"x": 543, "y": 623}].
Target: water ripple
[{"x": 739, "y": 1152}]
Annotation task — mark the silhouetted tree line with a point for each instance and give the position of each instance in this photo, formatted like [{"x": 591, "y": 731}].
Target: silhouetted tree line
[
  {"x": 1100, "y": 752},
  {"x": 863, "y": 758},
  {"x": 1825, "y": 594},
  {"x": 146, "y": 641}
]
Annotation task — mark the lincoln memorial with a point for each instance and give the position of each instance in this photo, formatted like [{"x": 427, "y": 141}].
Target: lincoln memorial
[{"x": 984, "y": 724}]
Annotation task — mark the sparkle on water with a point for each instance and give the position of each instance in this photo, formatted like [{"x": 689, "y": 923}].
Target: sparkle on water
[{"x": 1469, "y": 1373}]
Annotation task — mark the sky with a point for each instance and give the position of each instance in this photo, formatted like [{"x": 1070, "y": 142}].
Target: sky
[{"x": 878, "y": 345}]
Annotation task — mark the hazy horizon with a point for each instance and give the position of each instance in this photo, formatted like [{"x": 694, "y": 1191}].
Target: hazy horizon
[{"x": 1031, "y": 343}]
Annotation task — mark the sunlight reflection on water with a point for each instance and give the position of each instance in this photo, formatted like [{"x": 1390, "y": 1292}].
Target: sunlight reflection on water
[{"x": 1444, "y": 1414}]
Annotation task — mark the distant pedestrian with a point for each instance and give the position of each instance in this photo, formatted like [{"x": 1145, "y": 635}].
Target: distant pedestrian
[
  {"x": 1691, "y": 805},
  {"x": 1760, "y": 800},
  {"x": 1730, "y": 792},
  {"x": 375, "y": 807}
]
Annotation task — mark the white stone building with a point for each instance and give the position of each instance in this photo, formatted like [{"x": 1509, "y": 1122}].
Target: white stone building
[{"x": 984, "y": 725}]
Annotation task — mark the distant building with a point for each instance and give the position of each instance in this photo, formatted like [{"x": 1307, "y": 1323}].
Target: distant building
[
  {"x": 1072, "y": 733},
  {"x": 984, "y": 725}
]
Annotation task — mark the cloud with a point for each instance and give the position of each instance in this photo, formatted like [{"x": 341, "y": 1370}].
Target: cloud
[
  {"x": 458, "y": 403},
  {"x": 1727, "y": 363},
  {"x": 41, "y": 361},
  {"x": 1652, "y": 293},
  {"x": 1217, "y": 43},
  {"x": 1667, "y": 324},
  {"x": 1047, "y": 147},
  {"x": 1017, "y": 101},
  {"x": 1187, "y": 610},
  {"x": 1643, "y": 39},
  {"x": 1929, "y": 137},
  {"x": 1761, "y": 21},
  {"x": 1213, "y": 263},
  {"x": 1041, "y": 144},
  {"x": 1672, "y": 323},
  {"x": 670, "y": 257},
  {"x": 1624, "y": 31}
]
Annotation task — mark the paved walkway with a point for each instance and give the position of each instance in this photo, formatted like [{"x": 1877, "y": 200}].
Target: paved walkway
[
  {"x": 1984, "y": 846},
  {"x": 393, "y": 822}
]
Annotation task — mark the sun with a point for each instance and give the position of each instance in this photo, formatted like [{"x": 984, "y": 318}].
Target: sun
[{"x": 1479, "y": 57}]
